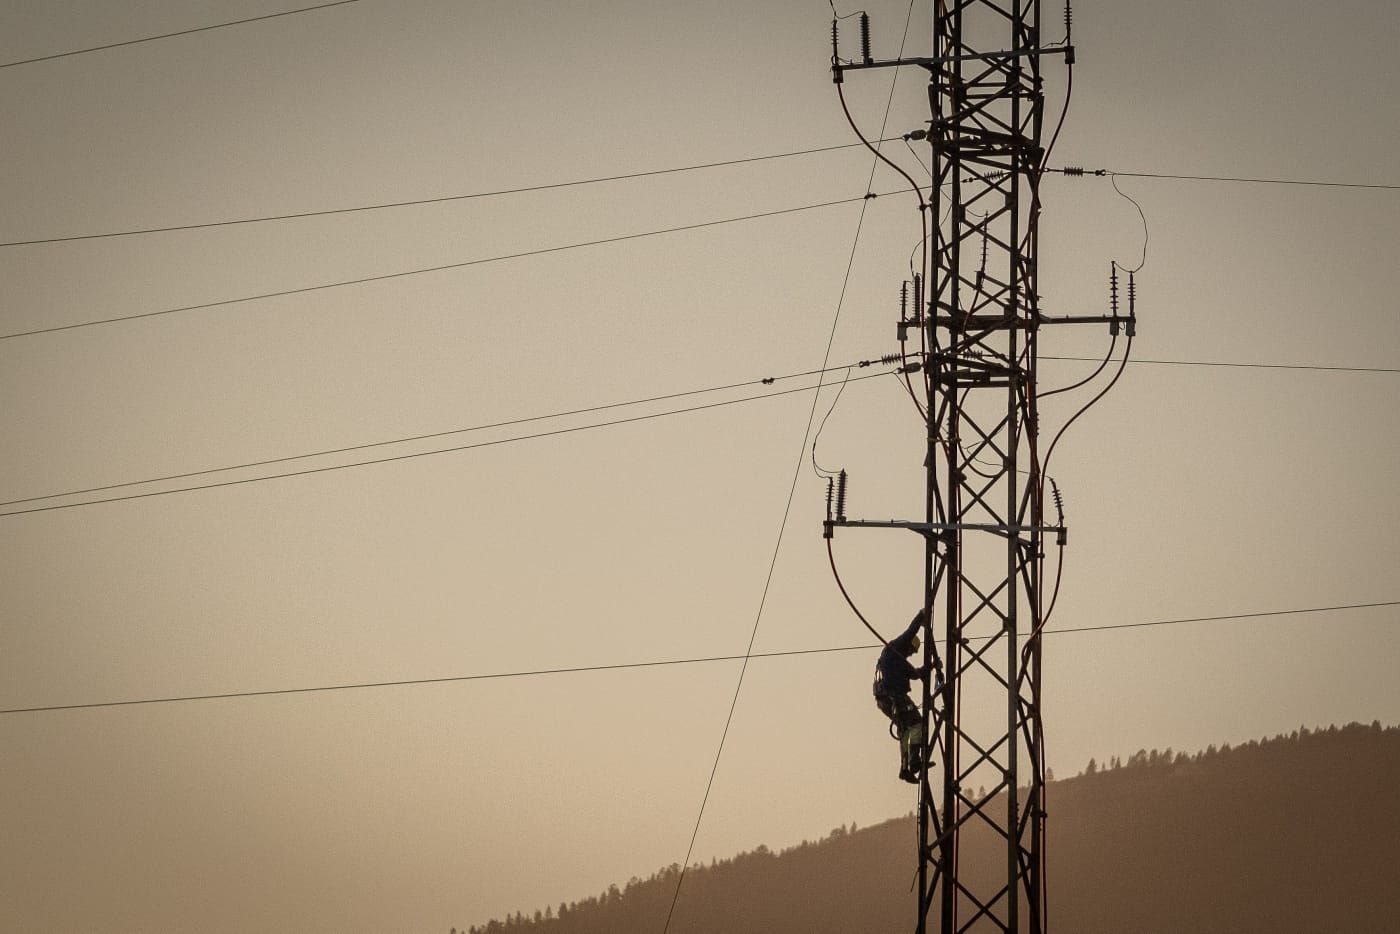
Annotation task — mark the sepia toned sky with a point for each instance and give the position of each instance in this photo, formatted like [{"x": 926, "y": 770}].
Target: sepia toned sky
[{"x": 1190, "y": 491}]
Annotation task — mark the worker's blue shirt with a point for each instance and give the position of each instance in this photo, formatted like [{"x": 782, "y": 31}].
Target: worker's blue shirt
[{"x": 893, "y": 672}]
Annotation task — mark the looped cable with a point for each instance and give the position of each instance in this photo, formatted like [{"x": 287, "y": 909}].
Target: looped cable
[
  {"x": 831, "y": 556},
  {"x": 822, "y": 471},
  {"x": 1113, "y": 180}
]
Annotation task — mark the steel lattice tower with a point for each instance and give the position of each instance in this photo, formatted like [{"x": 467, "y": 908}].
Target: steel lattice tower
[{"x": 984, "y": 526}]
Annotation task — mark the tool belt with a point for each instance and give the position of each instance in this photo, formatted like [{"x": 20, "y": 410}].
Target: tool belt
[{"x": 899, "y": 708}]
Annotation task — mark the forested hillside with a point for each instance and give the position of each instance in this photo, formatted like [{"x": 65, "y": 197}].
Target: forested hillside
[{"x": 1293, "y": 834}]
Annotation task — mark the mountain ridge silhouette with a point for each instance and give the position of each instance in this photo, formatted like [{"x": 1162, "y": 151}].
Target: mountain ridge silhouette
[{"x": 1296, "y": 833}]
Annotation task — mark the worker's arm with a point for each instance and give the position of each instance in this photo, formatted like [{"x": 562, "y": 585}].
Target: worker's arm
[{"x": 913, "y": 629}]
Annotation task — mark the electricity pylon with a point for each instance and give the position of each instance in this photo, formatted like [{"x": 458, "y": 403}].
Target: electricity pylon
[{"x": 977, "y": 320}]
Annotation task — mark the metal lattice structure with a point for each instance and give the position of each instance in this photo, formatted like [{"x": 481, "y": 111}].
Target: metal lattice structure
[{"x": 984, "y": 529}]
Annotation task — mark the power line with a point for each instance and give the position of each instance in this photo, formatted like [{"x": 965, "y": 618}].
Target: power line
[
  {"x": 579, "y": 669},
  {"x": 1213, "y": 619},
  {"x": 792, "y": 489},
  {"x": 1076, "y": 171},
  {"x": 420, "y": 681},
  {"x": 549, "y": 186},
  {"x": 446, "y": 266},
  {"x": 436, "y": 200},
  {"x": 540, "y": 252},
  {"x": 767, "y": 380},
  {"x": 171, "y": 35},
  {"x": 1258, "y": 366},
  {"x": 768, "y": 579},
  {"x": 1258, "y": 181},
  {"x": 402, "y": 457}
]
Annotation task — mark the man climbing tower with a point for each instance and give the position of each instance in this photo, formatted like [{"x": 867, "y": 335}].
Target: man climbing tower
[{"x": 893, "y": 674}]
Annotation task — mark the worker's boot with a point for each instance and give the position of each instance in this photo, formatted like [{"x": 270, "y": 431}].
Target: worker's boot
[{"x": 908, "y": 765}]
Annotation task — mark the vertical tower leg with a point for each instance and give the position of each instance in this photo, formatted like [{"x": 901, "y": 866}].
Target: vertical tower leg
[{"x": 986, "y": 101}]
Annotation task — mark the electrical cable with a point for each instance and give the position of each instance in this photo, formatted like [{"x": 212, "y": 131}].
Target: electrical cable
[
  {"x": 1112, "y": 343},
  {"x": 835, "y": 15},
  {"x": 1059, "y": 125},
  {"x": 1043, "y": 468},
  {"x": 765, "y": 381},
  {"x": 1225, "y": 616},
  {"x": 182, "y": 32},
  {"x": 402, "y": 457},
  {"x": 1039, "y": 469},
  {"x": 914, "y": 186},
  {"x": 831, "y": 557},
  {"x": 881, "y": 157},
  {"x": 436, "y": 200},
  {"x": 923, "y": 214},
  {"x": 918, "y": 158},
  {"x": 822, "y": 472},
  {"x": 1145, "y": 235},
  {"x": 768, "y": 580},
  {"x": 446, "y": 266},
  {"x": 772, "y": 566},
  {"x": 920, "y": 245},
  {"x": 973, "y": 458},
  {"x": 414, "y": 682},
  {"x": 612, "y": 405},
  {"x": 654, "y": 664},
  {"x": 1045, "y": 465},
  {"x": 884, "y": 123},
  {"x": 1076, "y": 172},
  {"x": 1261, "y": 366}
]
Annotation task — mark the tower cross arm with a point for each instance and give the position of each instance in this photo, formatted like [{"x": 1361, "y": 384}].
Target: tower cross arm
[{"x": 930, "y": 63}]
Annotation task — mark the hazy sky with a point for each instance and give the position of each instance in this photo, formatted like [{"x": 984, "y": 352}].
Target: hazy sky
[{"x": 1190, "y": 491}]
